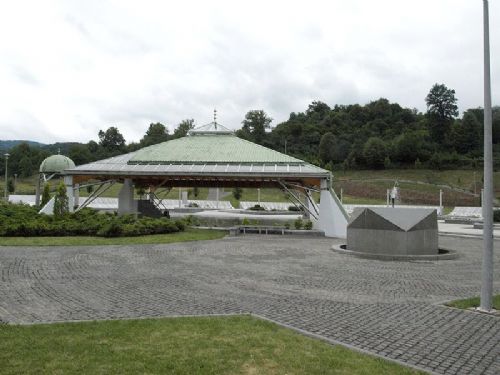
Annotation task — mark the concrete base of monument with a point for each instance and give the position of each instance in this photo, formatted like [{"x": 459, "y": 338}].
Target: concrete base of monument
[{"x": 443, "y": 254}]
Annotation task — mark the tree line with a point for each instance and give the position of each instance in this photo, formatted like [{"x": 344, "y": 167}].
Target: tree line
[{"x": 377, "y": 135}]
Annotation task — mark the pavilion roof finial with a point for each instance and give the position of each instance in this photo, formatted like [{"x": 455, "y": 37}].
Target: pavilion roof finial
[{"x": 215, "y": 118}]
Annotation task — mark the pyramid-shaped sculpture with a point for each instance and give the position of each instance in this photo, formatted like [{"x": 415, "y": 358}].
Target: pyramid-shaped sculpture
[{"x": 393, "y": 231}]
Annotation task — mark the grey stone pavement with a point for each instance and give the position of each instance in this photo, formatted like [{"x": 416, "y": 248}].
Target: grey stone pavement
[{"x": 392, "y": 309}]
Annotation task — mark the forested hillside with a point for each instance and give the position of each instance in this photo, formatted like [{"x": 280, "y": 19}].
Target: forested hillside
[{"x": 377, "y": 135}]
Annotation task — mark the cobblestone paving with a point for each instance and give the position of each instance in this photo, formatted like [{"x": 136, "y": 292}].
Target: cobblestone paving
[{"x": 388, "y": 308}]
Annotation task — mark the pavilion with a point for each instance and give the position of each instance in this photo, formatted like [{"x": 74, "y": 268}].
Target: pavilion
[{"x": 213, "y": 156}]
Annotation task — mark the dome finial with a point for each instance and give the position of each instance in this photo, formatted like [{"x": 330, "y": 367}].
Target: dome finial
[{"x": 215, "y": 118}]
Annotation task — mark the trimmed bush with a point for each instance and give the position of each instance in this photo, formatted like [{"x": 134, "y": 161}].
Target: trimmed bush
[
  {"x": 257, "y": 208},
  {"x": 23, "y": 220},
  {"x": 298, "y": 223},
  {"x": 308, "y": 225}
]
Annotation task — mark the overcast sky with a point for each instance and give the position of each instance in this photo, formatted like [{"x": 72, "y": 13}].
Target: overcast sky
[{"x": 70, "y": 68}]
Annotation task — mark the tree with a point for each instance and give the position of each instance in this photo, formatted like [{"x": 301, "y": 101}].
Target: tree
[
  {"x": 61, "y": 203},
  {"x": 45, "y": 194},
  {"x": 326, "y": 147},
  {"x": 237, "y": 193},
  {"x": 374, "y": 152},
  {"x": 255, "y": 124},
  {"x": 80, "y": 154},
  {"x": 441, "y": 110},
  {"x": 11, "y": 188},
  {"x": 112, "y": 140},
  {"x": 465, "y": 136},
  {"x": 183, "y": 128},
  {"x": 156, "y": 133},
  {"x": 26, "y": 166}
]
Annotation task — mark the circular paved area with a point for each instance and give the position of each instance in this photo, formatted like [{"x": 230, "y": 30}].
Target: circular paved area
[{"x": 388, "y": 308}]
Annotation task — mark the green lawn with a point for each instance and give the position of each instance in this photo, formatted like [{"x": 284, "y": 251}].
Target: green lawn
[
  {"x": 473, "y": 302},
  {"x": 216, "y": 345},
  {"x": 190, "y": 234}
]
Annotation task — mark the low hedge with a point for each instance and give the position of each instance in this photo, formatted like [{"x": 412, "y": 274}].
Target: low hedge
[{"x": 24, "y": 221}]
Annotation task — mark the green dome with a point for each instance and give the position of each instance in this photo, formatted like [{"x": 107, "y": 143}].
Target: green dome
[{"x": 56, "y": 164}]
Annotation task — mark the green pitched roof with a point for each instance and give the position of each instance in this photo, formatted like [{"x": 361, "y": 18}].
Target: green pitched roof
[{"x": 220, "y": 148}]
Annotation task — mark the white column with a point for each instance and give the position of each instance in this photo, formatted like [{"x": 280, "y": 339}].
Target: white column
[
  {"x": 126, "y": 198},
  {"x": 68, "y": 182}
]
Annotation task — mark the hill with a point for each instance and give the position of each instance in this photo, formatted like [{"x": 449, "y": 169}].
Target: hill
[{"x": 8, "y": 144}]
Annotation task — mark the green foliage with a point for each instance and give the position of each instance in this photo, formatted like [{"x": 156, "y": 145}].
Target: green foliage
[
  {"x": 287, "y": 225},
  {"x": 441, "y": 110},
  {"x": 308, "y": 225},
  {"x": 245, "y": 221},
  {"x": 326, "y": 147},
  {"x": 183, "y": 128},
  {"x": 387, "y": 162},
  {"x": 10, "y": 185},
  {"x": 298, "y": 223},
  {"x": 257, "y": 208},
  {"x": 26, "y": 166},
  {"x": 45, "y": 194},
  {"x": 112, "y": 140},
  {"x": 237, "y": 193},
  {"x": 61, "y": 202},
  {"x": 22, "y": 220},
  {"x": 254, "y": 126},
  {"x": 375, "y": 152},
  {"x": 294, "y": 208},
  {"x": 155, "y": 134}
]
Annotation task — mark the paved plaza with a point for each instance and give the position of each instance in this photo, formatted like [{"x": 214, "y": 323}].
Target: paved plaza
[{"x": 391, "y": 308}]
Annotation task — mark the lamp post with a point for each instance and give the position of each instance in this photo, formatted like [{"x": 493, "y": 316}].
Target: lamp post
[
  {"x": 6, "y": 186},
  {"x": 487, "y": 264}
]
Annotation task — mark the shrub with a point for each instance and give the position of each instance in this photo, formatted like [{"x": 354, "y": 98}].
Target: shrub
[
  {"x": 45, "y": 194},
  {"x": 287, "y": 225},
  {"x": 112, "y": 229},
  {"x": 308, "y": 225},
  {"x": 22, "y": 220},
  {"x": 257, "y": 208},
  {"x": 61, "y": 203},
  {"x": 245, "y": 221},
  {"x": 298, "y": 223}
]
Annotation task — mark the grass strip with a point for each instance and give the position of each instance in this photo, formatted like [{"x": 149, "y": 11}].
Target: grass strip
[
  {"x": 201, "y": 345},
  {"x": 190, "y": 234}
]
